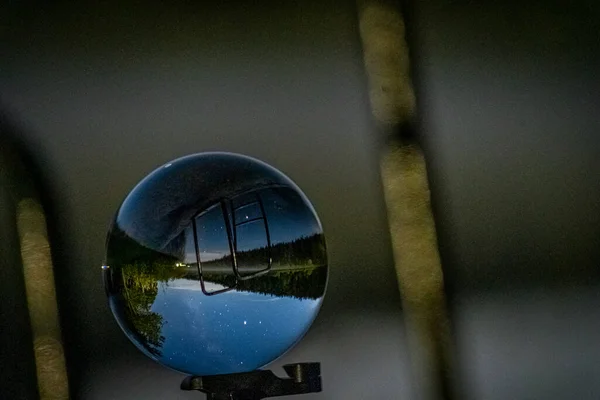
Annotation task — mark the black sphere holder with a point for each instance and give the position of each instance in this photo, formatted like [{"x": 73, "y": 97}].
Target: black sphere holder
[{"x": 257, "y": 385}]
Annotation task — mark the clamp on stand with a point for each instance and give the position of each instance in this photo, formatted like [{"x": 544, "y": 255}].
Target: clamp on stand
[{"x": 257, "y": 385}]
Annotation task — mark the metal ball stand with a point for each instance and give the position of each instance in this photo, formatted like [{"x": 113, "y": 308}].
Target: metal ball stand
[{"x": 256, "y": 385}]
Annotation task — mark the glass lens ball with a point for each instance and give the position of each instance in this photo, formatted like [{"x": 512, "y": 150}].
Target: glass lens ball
[{"x": 215, "y": 264}]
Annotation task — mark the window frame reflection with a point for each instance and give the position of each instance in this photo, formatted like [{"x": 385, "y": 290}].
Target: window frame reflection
[{"x": 228, "y": 214}]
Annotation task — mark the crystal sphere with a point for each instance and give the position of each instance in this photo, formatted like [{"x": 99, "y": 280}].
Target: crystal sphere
[{"x": 215, "y": 264}]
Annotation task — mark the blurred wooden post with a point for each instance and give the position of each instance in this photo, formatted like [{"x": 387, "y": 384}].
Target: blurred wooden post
[
  {"x": 406, "y": 190},
  {"x": 41, "y": 300}
]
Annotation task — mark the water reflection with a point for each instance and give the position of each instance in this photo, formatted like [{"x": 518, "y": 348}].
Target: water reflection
[{"x": 213, "y": 273}]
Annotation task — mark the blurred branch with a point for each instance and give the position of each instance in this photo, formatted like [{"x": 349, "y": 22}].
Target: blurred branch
[
  {"x": 406, "y": 191},
  {"x": 38, "y": 273},
  {"x": 41, "y": 300}
]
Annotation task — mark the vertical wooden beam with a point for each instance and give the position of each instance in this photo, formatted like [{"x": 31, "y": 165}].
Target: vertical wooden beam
[
  {"x": 41, "y": 301},
  {"x": 407, "y": 195}
]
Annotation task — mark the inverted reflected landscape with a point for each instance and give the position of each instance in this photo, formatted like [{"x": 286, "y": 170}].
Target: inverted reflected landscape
[{"x": 216, "y": 263}]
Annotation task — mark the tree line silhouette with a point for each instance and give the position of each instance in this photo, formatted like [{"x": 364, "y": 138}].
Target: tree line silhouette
[
  {"x": 140, "y": 287},
  {"x": 303, "y": 251},
  {"x": 303, "y": 283},
  {"x": 298, "y": 269}
]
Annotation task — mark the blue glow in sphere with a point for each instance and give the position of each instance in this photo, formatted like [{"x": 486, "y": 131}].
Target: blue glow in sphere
[{"x": 215, "y": 264}]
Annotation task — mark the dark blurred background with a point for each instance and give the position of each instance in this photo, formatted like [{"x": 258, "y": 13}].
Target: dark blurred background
[
  {"x": 507, "y": 93},
  {"x": 102, "y": 93}
]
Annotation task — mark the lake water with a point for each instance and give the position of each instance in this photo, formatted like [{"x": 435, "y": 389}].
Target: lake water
[{"x": 228, "y": 332}]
